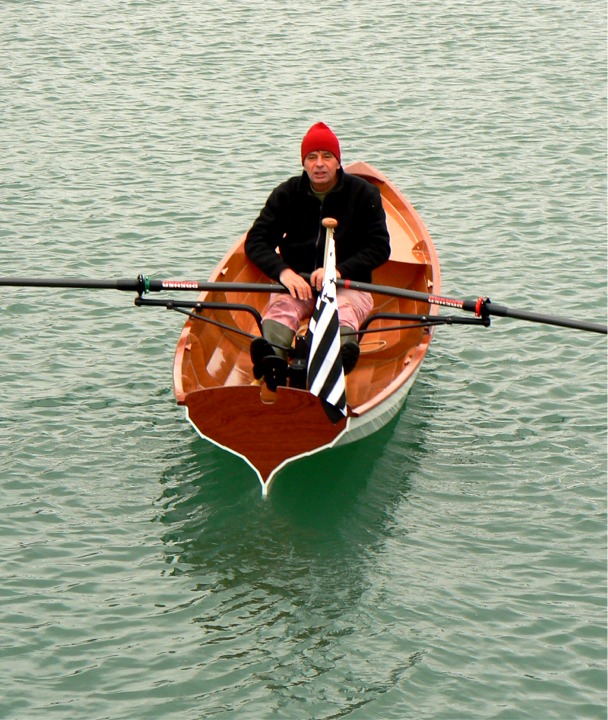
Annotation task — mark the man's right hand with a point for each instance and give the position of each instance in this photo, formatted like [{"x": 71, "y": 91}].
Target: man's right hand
[{"x": 297, "y": 286}]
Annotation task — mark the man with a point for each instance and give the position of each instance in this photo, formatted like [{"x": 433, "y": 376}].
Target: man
[{"x": 291, "y": 222}]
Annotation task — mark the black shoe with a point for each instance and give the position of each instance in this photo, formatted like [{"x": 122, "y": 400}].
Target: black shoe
[
  {"x": 259, "y": 349},
  {"x": 298, "y": 367},
  {"x": 274, "y": 371},
  {"x": 267, "y": 364},
  {"x": 350, "y": 354}
]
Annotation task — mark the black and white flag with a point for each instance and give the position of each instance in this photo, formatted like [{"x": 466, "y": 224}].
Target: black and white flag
[{"x": 325, "y": 373}]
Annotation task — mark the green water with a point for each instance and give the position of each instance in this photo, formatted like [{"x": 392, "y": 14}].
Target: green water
[{"x": 452, "y": 567}]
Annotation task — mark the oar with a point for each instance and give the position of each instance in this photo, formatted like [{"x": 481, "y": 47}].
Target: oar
[
  {"x": 142, "y": 284},
  {"x": 482, "y": 307}
]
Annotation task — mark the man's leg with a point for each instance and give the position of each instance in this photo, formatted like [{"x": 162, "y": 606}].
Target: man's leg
[{"x": 353, "y": 307}]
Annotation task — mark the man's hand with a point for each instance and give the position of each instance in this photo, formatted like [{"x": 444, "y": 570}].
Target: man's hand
[
  {"x": 316, "y": 279},
  {"x": 297, "y": 286}
]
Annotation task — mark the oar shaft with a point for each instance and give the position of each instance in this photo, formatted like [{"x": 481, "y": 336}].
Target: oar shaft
[
  {"x": 144, "y": 284},
  {"x": 502, "y": 311},
  {"x": 480, "y": 306},
  {"x": 78, "y": 283},
  {"x": 161, "y": 285},
  {"x": 468, "y": 305},
  {"x": 141, "y": 285}
]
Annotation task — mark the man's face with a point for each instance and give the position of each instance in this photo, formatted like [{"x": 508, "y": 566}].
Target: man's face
[{"x": 322, "y": 168}]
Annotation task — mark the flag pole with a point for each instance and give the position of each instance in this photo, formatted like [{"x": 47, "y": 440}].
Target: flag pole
[
  {"x": 330, "y": 224},
  {"x": 325, "y": 372}
]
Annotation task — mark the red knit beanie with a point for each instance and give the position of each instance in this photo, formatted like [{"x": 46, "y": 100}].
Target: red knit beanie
[{"x": 320, "y": 137}]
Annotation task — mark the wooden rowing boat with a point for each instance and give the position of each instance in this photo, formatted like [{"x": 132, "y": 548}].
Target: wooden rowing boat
[{"x": 213, "y": 375}]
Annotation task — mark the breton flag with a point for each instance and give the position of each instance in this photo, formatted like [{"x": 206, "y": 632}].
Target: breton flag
[{"x": 325, "y": 373}]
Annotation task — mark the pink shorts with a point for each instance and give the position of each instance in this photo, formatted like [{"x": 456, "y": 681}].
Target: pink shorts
[{"x": 353, "y": 307}]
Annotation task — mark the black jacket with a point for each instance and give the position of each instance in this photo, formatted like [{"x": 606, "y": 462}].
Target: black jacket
[{"x": 291, "y": 222}]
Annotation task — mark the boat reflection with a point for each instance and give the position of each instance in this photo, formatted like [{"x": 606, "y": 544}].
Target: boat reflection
[
  {"x": 327, "y": 512},
  {"x": 276, "y": 587}
]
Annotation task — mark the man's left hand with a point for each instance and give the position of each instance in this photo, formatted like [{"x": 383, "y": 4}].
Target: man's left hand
[{"x": 317, "y": 277}]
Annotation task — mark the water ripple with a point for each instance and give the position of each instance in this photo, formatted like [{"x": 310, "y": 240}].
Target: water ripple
[{"x": 453, "y": 566}]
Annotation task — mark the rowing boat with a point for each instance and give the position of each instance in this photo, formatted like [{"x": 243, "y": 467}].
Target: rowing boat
[
  {"x": 213, "y": 377},
  {"x": 213, "y": 374}
]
